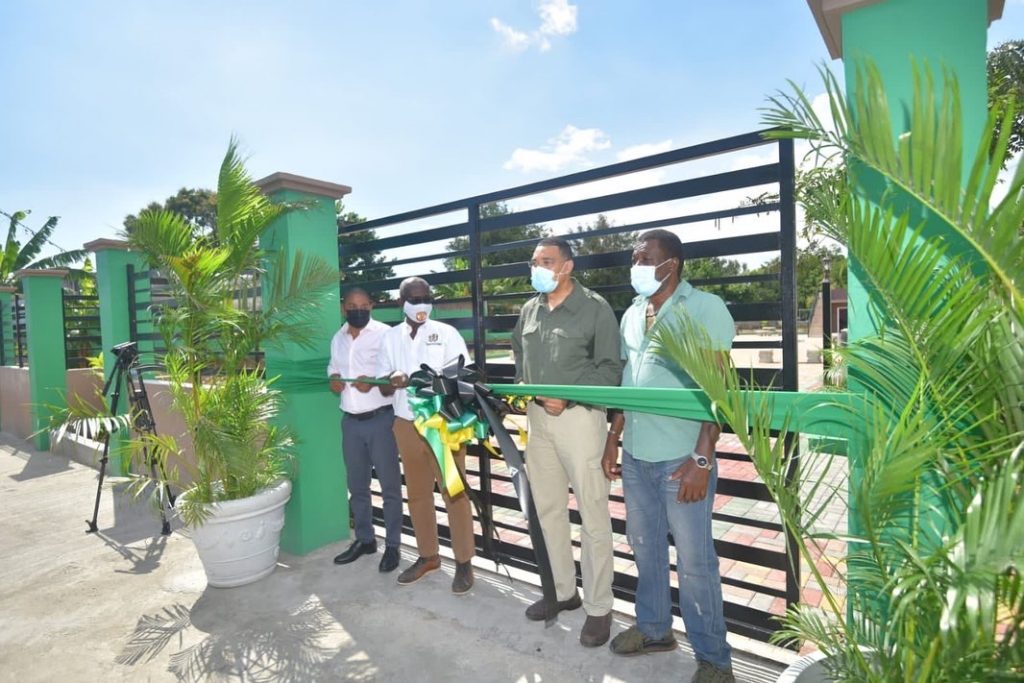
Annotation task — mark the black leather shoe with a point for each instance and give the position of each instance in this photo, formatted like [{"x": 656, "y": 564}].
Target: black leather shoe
[
  {"x": 355, "y": 551},
  {"x": 389, "y": 562}
]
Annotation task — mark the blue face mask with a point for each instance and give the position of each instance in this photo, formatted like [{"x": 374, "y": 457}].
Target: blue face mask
[{"x": 543, "y": 279}]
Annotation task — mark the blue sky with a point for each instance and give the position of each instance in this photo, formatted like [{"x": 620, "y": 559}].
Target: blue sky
[{"x": 110, "y": 105}]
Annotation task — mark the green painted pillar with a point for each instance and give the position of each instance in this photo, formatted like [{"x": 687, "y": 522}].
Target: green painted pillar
[
  {"x": 941, "y": 36},
  {"x": 7, "y": 325},
  {"x": 318, "y": 511},
  {"x": 112, "y": 261},
  {"x": 44, "y": 332},
  {"x": 944, "y": 36}
]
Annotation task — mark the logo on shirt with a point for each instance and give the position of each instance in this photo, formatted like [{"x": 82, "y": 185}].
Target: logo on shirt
[{"x": 433, "y": 339}]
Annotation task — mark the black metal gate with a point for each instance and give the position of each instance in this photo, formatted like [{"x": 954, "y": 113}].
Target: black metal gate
[{"x": 483, "y": 248}]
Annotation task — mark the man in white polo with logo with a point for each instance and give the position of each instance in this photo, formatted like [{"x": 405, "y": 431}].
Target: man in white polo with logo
[{"x": 419, "y": 340}]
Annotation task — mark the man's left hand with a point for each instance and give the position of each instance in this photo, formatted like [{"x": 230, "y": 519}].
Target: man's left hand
[
  {"x": 693, "y": 482},
  {"x": 362, "y": 387}
]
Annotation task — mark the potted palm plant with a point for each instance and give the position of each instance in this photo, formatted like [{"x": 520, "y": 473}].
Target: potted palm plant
[
  {"x": 935, "y": 410},
  {"x": 236, "y": 484}
]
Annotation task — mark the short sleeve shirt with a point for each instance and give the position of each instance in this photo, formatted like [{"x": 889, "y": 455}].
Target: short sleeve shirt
[
  {"x": 437, "y": 344},
  {"x": 656, "y": 438}
]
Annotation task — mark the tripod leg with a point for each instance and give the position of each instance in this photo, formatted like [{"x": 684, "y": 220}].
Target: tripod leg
[
  {"x": 165, "y": 526},
  {"x": 114, "y": 399}
]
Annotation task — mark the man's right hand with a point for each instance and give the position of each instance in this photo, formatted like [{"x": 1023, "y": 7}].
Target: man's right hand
[
  {"x": 610, "y": 459},
  {"x": 399, "y": 380},
  {"x": 337, "y": 386}
]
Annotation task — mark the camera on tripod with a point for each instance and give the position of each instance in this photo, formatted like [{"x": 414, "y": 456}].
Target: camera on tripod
[{"x": 127, "y": 373}]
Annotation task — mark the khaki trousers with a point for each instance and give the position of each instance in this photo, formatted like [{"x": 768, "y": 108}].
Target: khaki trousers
[
  {"x": 421, "y": 472},
  {"x": 566, "y": 450}
]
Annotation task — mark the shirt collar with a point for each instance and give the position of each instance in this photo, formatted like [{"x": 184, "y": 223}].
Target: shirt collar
[
  {"x": 683, "y": 291},
  {"x": 574, "y": 301}
]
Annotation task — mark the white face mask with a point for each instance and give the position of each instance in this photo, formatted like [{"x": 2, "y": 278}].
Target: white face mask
[
  {"x": 543, "y": 280},
  {"x": 644, "y": 280},
  {"x": 417, "y": 312}
]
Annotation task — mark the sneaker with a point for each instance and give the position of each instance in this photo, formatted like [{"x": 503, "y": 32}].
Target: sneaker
[
  {"x": 633, "y": 642},
  {"x": 542, "y": 611},
  {"x": 596, "y": 630},
  {"x": 709, "y": 673},
  {"x": 420, "y": 568},
  {"x": 463, "y": 580}
]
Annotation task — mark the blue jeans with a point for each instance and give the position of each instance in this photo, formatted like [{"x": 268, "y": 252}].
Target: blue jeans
[{"x": 652, "y": 511}]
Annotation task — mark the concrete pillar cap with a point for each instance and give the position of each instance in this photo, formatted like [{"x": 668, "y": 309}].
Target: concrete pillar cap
[
  {"x": 106, "y": 243},
  {"x": 275, "y": 182},
  {"x": 828, "y": 14},
  {"x": 41, "y": 272}
]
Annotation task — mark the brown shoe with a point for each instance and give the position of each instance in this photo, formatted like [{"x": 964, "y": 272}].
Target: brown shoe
[
  {"x": 542, "y": 610},
  {"x": 596, "y": 630},
  {"x": 463, "y": 580},
  {"x": 420, "y": 568}
]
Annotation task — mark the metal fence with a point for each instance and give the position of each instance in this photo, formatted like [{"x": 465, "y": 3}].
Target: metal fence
[
  {"x": 82, "y": 339},
  {"x": 18, "y": 336},
  {"x": 475, "y": 254},
  {"x": 150, "y": 293}
]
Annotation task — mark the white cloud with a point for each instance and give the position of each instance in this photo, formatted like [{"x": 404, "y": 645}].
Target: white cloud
[
  {"x": 558, "y": 18},
  {"x": 637, "y": 151},
  {"x": 517, "y": 40},
  {"x": 567, "y": 148}
]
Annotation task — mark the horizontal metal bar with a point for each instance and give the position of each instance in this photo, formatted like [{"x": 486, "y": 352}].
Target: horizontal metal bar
[
  {"x": 746, "y": 521},
  {"x": 433, "y": 278},
  {"x": 719, "y": 182},
  {"x": 699, "y": 151},
  {"x": 446, "y": 232},
  {"x": 755, "y": 312}
]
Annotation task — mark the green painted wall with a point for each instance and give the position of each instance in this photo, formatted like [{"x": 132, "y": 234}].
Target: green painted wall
[
  {"x": 318, "y": 511},
  {"x": 44, "y": 329}
]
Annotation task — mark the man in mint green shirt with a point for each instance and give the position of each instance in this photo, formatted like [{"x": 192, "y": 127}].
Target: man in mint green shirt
[{"x": 668, "y": 468}]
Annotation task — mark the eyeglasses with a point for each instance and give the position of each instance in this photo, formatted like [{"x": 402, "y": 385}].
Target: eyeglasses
[{"x": 417, "y": 300}]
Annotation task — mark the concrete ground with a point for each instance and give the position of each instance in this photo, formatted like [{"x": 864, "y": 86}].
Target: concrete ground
[{"x": 127, "y": 604}]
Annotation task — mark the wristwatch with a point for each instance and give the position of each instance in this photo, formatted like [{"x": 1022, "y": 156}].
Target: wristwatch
[{"x": 702, "y": 462}]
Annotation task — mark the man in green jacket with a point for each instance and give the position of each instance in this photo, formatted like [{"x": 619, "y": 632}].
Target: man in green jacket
[{"x": 567, "y": 334}]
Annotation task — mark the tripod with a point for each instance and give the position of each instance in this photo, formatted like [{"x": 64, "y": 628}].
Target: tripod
[{"x": 128, "y": 371}]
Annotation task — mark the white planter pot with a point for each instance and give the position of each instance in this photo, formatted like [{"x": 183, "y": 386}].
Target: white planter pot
[
  {"x": 240, "y": 541},
  {"x": 809, "y": 669}
]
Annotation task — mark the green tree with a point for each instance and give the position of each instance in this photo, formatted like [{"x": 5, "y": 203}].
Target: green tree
[
  {"x": 16, "y": 255},
  {"x": 520, "y": 233},
  {"x": 602, "y": 278},
  {"x": 362, "y": 267},
  {"x": 1006, "y": 94},
  {"x": 198, "y": 206},
  {"x": 810, "y": 268}
]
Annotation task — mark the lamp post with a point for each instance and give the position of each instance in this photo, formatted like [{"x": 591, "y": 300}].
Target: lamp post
[{"x": 826, "y": 304}]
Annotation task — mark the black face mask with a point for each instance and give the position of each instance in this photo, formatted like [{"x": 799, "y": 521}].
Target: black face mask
[{"x": 357, "y": 318}]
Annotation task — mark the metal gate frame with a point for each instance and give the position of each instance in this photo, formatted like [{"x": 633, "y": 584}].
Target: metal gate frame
[{"x": 742, "y": 619}]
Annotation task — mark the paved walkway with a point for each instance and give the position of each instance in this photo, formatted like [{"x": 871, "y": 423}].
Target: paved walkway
[{"x": 127, "y": 604}]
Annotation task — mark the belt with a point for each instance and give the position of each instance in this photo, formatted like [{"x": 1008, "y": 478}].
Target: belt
[
  {"x": 370, "y": 414},
  {"x": 570, "y": 404}
]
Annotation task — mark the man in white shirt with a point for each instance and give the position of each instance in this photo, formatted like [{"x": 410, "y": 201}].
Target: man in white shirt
[
  {"x": 367, "y": 440},
  {"x": 415, "y": 341}
]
